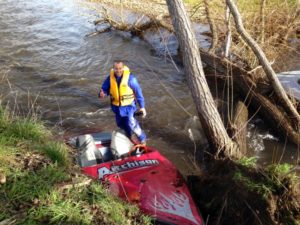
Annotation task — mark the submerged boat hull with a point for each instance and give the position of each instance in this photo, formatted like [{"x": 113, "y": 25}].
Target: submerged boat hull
[{"x": 152, "y": 182}]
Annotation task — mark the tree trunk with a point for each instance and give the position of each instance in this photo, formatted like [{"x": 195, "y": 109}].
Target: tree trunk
[
  {"x": 213, "y": 29},
  {"x": 262, "y": 20},
  {"x": 239, "y": 126},
  {"x": 228, "y": 33},
  {"x": 280, "y": 92},
  {"x": 210, "y": 119}
]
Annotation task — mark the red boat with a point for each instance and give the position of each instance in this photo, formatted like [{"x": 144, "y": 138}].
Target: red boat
[{"x": 138, "y": 174}]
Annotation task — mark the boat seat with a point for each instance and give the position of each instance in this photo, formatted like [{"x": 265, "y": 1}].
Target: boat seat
[{"x": 120, "y": 144}]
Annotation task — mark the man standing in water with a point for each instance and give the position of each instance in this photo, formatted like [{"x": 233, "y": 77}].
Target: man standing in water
[{"x": 125, "y": 91}]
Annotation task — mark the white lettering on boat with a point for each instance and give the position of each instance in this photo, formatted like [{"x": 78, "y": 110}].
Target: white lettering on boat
[
  {"x": 177, "y": 204},
  {"x": 103, "y": 171}
]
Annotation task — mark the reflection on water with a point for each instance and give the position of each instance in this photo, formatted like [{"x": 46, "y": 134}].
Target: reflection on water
[
  {"x": 44, "y": 53},
  {"x": 48, "y": 61}
]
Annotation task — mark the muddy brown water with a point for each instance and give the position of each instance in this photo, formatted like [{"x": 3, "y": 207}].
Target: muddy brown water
[{"x": 46, "y": 59}]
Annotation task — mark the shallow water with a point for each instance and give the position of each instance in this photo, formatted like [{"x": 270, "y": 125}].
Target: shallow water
[{"x": 46, "y": 61}]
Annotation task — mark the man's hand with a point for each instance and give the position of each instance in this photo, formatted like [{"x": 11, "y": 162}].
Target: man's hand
[
  {"x": 143, "y": 112},
  {"x": 101, "y": 94}
]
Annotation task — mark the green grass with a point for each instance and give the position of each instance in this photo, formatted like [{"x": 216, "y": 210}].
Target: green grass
[
  {"x": 59, "y": 208},
  {"x": 56, "y": 151},
  {"x": 280, "y": 170},
  {"x": 275, "y": 178},
  {"x": 37, "y": 167},
  {"x": 20, "y": 135},
  {"x": 28, "y": 185},
  {"x": 118, "y": 211},
  {"x": 25, "y": 129},
  {"x": 247, "y": 161},
  {"x": 16, "y": 128},
  {"x": 89, "y": 205},
  {"x": 260, "y": 187},
  {"x": 280, "y": 173}
]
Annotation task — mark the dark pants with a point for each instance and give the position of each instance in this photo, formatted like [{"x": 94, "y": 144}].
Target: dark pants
[{"x": 130, "y": 125}]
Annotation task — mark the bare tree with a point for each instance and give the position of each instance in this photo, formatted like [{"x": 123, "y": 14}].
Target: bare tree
[
  {"x": 208, "y": 114},
  {"x": 262, "y": 19},
  {"x": 280, "y": 92},
  {"x": 228, "y": 32},
  {"x": 213, "y": 29}
]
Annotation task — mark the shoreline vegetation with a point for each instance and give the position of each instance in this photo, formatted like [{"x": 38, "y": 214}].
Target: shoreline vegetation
[
  {"x": 275, "y": 25},
  {"x": 41, "y": 184}
]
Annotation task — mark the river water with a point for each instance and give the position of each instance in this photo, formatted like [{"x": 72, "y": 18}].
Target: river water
[{"x": 46, "y": 61}]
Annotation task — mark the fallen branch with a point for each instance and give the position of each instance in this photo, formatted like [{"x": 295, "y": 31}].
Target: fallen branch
[
  {"x": 255, "y": 96},
  {"x": 141, "y": 24},
  {"x": 83, "y": 183},
  {"x": 277, "y": 87},
  {"x": 106, "y": 29},
  {"x": 9, "y": 221}
]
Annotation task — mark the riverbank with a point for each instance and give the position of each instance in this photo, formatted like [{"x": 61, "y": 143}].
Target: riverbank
[
  {"x": 67, "y": 82},
  {"x": 41, "y": 184},
  {"x": 239, "y": 192}
]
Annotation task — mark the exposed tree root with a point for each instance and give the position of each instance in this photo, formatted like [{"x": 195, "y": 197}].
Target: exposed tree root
[{"x": 230, "y": 193}]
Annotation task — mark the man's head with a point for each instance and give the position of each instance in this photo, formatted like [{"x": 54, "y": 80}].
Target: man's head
[{"x": 118, "y": 67}]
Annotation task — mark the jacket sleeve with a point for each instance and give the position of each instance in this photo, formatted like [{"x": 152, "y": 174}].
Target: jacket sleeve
[
  {"x": 135, "y": 86},
  {"x": 105, "y": 86}
]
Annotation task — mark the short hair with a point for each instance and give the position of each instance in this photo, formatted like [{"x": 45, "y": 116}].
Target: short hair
[{"x": 118, "y": 61}]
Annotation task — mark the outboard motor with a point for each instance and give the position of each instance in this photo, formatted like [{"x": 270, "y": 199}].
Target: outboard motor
[{"x": 90, "y": 154}]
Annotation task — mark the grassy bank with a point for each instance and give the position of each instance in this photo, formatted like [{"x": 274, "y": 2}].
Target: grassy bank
[
  {"x": 240, "y": 193},
  {"x": 40, "y": 184}
]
